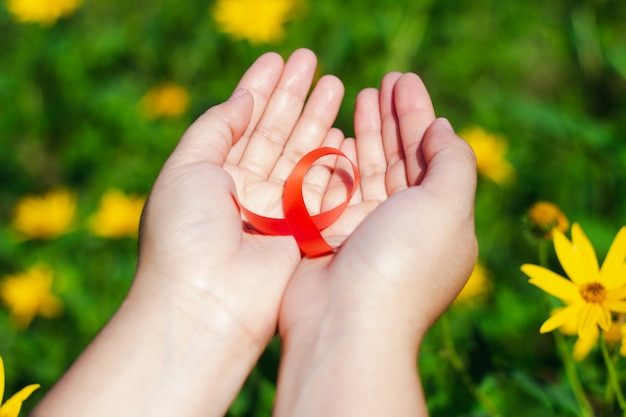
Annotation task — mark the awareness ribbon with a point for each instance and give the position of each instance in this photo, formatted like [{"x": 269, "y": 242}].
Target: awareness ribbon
[{"x": 306, "y": 229}]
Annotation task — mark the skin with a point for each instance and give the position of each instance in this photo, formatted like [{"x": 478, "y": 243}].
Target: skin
[{"x": 209, "y": 293}]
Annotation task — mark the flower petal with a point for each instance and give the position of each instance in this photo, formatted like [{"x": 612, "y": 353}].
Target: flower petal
[
  {"x": 566, "y": 316},
  {"x": 586, "y": 321},
  {"x": 569, "y": 257},
  {"x": 615, "y": 277},
  {"x": 604, "y": 316},
  {"x": 570, "y": 328},
  {"x": 552, "y": 283},
  {"x": 618, "y": 293},
  {"x": 616, "y": 306},
  {"x": 615, "y": 258},
  {"x": 1, "y": 380},
  {"x": 14, "y": 404},
  {"x": 583, "y": 346},
  {"x": 591, "y": 316},
  {"x": 583, "y": 246}
]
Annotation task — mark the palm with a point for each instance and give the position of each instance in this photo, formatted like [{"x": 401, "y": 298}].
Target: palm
[{"x": 282, "y": 129}]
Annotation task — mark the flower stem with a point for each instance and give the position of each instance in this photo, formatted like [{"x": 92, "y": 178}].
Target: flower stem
[
  {"x": 572, "y": 375},
  {"x": 563, "y": 352},
  {"x": 609, "y": 399},
  {"x": 613, "y": 379},
  {"x": 458, "y": 365},
  {"x": 543, "y": 253}
]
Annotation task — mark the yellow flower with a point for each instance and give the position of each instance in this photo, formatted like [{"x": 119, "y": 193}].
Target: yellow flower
[
  {"x": 592, "y": 293},
  {"x": 477, "y": 287},
  {"x": 490, "y": 150},
  {"x": 118, "y": 215},
  {"x": 259, "y": 21},
  {"x": 543, "y": 217},
  {"x": 12, "y": 407},
  {"x": 45, "y": 12},
  {"x": 47, "y": 216},
  {"x": 165, "y": 100},
  {"x": 28, "y": 294}
]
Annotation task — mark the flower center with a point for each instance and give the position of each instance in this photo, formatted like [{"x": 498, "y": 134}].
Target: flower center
[{"x": 593, "y": 292}]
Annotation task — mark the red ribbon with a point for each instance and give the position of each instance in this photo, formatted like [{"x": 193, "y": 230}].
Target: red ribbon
[{"x": 306, "y": 229}]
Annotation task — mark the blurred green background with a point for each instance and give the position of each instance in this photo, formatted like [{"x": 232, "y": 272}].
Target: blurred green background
[{"x": 548, "y": 77}]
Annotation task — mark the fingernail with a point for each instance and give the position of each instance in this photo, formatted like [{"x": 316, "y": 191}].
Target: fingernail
[
  {"x": 237, "y": 93},
  {"x": 445, "y": 123}
]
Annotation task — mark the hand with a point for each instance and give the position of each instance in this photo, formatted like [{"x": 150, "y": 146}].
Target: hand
[
  {"x": 192, "y": 241},
  {"x": 204, "y": 302},
  {"x": 418, "y": 246},
  {"x": 352, "y": 322}
]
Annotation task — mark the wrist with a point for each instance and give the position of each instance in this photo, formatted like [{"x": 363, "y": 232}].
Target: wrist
[
  {"x": 195, "y": 360},
  {"x": 359, "y": 318},
  {"x": 195, "y": 301},
  {"x": 156, "y": 357},
  {"x": 337, "y": 335},
  {"x": 190, "y": 319},
  {"x": 344, "y": 369}
]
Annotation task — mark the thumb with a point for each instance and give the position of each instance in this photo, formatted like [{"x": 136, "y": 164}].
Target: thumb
[
  {"x": 212, "y": 135},
  {"x": 451, "y": 165}
]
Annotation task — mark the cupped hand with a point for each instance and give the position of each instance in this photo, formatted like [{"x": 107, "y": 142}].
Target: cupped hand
[
  {"x": 192, "y": 244},
  {"x": 409, "y": 242}
]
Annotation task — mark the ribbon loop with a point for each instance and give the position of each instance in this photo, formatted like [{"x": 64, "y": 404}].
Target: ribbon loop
[{"x": 306, "y": 229}]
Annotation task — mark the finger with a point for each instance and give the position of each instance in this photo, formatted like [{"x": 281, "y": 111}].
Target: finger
[
  {"x": 414, "y": 112},
  {"x": 338, "y": 188},
  {"x": 369, "y": 146},
  {"x": 281, "y": 114},
  {"x": 334, "y": 138},
  {"x": 316, "y": 181},
  {"x": 395, "y": 178},
  {"x": 450, "y": 175},
  {"x": 260, "y": 80},
  {"x": 338, "y": 191},
  {"x": 341, "y": 177},
  {"x": 313, "y": 126},
  {"x": 211, "y": 137},
  {"x": 348, "y": 147}
]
